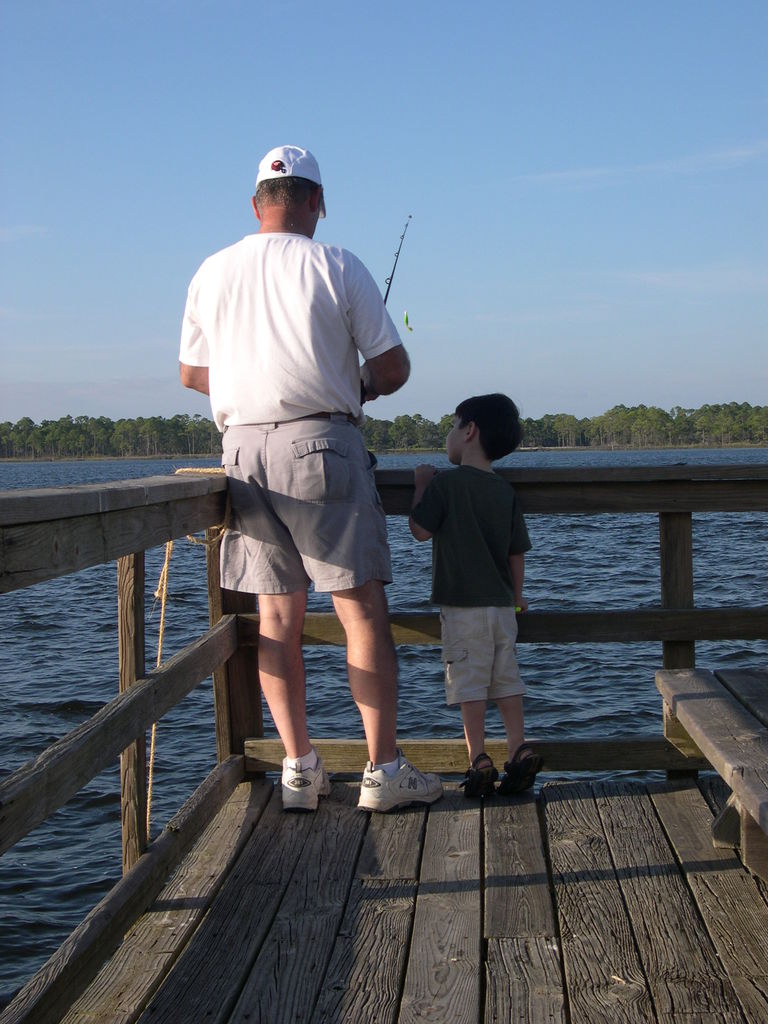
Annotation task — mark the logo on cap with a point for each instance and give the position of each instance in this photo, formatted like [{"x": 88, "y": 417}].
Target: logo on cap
[{"x": 278, "y": 165}]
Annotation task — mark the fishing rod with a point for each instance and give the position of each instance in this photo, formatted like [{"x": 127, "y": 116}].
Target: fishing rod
[{"x": 388, "y": 280}]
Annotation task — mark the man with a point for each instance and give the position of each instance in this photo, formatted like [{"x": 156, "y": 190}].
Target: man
[{"x": 273, "y": 331}]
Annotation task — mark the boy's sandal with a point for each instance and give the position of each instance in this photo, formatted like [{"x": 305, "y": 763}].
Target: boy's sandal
[
  {"x": 521, "y": 771},
  {"x": 480, "y": 777}
]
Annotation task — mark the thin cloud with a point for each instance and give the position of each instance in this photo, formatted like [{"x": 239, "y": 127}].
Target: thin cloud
[
  {"x": 16, "y": 232},
  {"x": 114, "y": 397},
  {"x": 712, "y": 279},
  {"x": 598, "y": 311},
  {"x": 699, "y": 163},
  {"x": 34, "y": 316}
]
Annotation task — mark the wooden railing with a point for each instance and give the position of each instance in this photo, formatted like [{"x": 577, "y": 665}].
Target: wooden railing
[
  {"x": 47, "y": 533},
  {"x": 50, "y": 533}
]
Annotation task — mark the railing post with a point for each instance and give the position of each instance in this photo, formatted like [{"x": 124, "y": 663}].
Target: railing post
[
  {"x": 236, "y": 691},
  {"x": 676, "y": 555},
  {"x": 244, "y": 692},
  {"x": 220, "y": 689},
  {"x": 131, "y": 655}
]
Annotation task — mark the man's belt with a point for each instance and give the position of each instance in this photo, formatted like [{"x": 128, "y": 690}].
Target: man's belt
[{"x": 320, "y": 416}]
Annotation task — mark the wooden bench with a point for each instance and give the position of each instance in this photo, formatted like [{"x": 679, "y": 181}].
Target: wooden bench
[{"x": 723, "y": 716}]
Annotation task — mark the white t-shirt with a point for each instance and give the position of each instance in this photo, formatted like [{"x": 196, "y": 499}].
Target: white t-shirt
[{"x": 279, "y": 321}]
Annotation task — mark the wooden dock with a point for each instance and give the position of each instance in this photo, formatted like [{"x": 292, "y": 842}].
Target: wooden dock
[
  {"x": 599, "y": 900},
  {"x": 594, "y": 902}
]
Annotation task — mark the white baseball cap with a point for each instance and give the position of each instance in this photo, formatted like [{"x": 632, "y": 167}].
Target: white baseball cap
[{"x": 290, "y": 162}]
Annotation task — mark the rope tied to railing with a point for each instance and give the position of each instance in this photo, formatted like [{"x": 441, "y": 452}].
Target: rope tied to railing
[
  {"x": 161, "y": 594},
  {"x": 215, "y": 533}
]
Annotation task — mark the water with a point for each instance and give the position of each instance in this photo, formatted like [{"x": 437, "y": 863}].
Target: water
[{"x": 58, "y": 666}]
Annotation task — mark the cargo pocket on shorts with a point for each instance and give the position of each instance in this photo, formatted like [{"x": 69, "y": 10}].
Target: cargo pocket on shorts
[
  {"x": 229, "y": 457},
  {"x": 455, "y": 659},
  {"x": 321, "y": 469}
]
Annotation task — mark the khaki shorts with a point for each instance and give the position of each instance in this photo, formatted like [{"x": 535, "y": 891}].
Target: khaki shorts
[
  {"x": 479, "y": 654},
  {"x": 304, "y": 507}
]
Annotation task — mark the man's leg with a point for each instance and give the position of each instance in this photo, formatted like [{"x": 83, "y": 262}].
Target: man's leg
[
  {"x": 371, "y": 665},
  {"x": 281, "y": 667}
]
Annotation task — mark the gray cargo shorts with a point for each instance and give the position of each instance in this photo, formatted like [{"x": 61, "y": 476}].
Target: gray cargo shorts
[{"x": 304, "y": 508}]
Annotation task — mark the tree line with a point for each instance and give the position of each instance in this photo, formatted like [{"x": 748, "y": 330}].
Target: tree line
[{"x": 638, "y": 426}]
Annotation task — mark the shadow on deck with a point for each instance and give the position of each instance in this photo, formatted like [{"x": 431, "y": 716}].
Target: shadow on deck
[{"x": 596, "y": 901}]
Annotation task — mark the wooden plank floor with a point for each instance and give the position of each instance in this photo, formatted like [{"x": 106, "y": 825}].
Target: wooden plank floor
[{"x": 593, "y": 902}]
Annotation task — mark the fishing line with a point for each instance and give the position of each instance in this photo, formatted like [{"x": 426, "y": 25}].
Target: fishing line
[{"x": 388, "y": 282}]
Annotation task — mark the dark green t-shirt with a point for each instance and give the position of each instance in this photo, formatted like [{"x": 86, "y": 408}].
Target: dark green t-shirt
[{"x": 477, "y": 524}]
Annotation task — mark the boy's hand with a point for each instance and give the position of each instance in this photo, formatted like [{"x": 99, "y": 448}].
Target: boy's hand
[
  {"x": 423, "y": 474},
  {"x": 521, "y": 605}
]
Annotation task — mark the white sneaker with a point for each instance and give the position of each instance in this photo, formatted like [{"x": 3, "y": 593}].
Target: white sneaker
[
  {"x": 380, "y": 792},
  {"x": 302, "y": 788}
]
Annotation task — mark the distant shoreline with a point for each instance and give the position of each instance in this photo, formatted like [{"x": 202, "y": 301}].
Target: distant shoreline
[{"x": 47, "y": 459}]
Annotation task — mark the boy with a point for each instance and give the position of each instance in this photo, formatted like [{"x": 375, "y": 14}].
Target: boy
[{"x": 478, "y": 561}]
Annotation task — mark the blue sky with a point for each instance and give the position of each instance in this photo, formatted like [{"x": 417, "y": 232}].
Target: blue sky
[{"x": 587, "y": 182}]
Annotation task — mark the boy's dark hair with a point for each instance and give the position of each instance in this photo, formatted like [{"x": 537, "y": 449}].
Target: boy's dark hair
[{"x": 497, "y": 420}]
